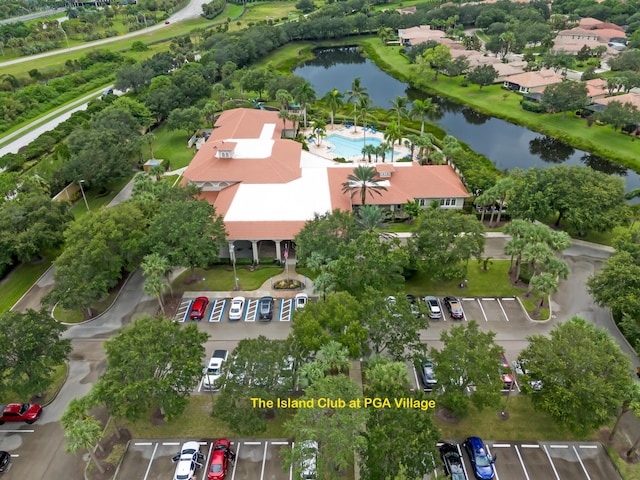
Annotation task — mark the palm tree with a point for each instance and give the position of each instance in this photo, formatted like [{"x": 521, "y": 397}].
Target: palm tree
[
  {"x": 436, "y": 158},
  {"x": 631, "y": 402},
  {"x": 355, "y": 94},
  {"x": 284, "y": 115},
  {"x": 210, "y": 109},
  {"x": 399, "y": 107},
  {"x": 304, "y": 95},
  {"x": 334, "y": 99},
  {"x": 335, "y": 357},
  {"x": 543, "y": 285},
  {"x": 422, "y": 109},
  {"x": 365, "y": 106},
  {"x": 284, "y": 98},
  {"x": 150, "y": 138},
  {"x": 318, "y": 131},
  {"x": 363, "y": 179},
  {"x": 370, "y": 218},
  {"x": 368, "y": 150},
  {"x": 83, "y": 433},
  {"x": 391, "y": 135}
]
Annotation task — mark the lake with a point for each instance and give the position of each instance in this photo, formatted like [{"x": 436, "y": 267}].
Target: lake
[{"x": 506, "y": 145}]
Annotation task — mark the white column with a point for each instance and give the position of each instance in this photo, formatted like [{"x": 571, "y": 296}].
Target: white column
[
  {"x": 278, "y": 252},
  {"x": 256, "y": 257}
]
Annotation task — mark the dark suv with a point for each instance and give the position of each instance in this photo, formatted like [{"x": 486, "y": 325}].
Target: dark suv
[{"x": 265, "y": 309}]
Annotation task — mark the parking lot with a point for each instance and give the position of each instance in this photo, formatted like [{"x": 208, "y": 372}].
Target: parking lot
[
  {"x": 256, "y": 460},
  {"x": 547, "y": 460},
  {"x": 218, "y": 310}
]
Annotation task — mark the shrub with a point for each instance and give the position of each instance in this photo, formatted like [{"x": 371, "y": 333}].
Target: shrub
[{"x": 532, "y": 106}]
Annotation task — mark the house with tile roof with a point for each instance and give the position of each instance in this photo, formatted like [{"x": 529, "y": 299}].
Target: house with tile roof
[
  {"x": 267, "y": 187},
  {"x": 416, "y": 35},
  {"x": 530, "y": 82}
]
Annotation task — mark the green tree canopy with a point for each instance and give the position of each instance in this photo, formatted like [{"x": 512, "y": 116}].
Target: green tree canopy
[
  {"x": 482, "y": 75},
  {"x": 564, "y": 96},
  {"x": 582, "y": 370}
]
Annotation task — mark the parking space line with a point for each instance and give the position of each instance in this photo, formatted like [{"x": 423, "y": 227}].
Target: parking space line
[
  {"x": 170, "y": 444},
  {"x": 183, "y": 311},
  {"x": 415, "y": 374},
  {"x": 501, "y": 445},
  {"x": 14, "y": 455},
  {"x": 143, "y": 444},
  {"x": 146, "y": 474},
  {"x": 581, "y": 464},
  {"x": 466, "y": 475},
  {"x": 558, "y": 446},
  {"x": 279, "y": 443},
  {"x": 291, "y": 467},
  {"x": 217, "y": 310},
  {"x": 206, "y": 465},
  {"x": 529, "y": 446},
  {"x": 286, "y": 307},
  {"x": 251, "y": 310},
  {"x": 264, "y": 459},
  {"x": 483, "y": 313},
  {"x": 17, "y": 431},
  {"x": 521, "y": 462},
  {"x": 588, "y": 446},
  {"x": 252, "y": 443},
  {"x": 551, "y": 462},
  {"x": 494, "y": 465},
  {"x": 235, "y": 463},
  {"x": 502, "y": 308},
  {"x": 508, "y": 299}
]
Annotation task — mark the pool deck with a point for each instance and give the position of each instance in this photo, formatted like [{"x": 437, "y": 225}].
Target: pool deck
[{"x": 325, "y": 149}]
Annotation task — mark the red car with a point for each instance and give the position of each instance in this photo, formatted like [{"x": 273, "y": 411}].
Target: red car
[
  {"x": 505, "y": 372},
  {"x": 20, "y": 412},
  {"x": 220, "y": 457},
  {"x": 198, "y": 308}
]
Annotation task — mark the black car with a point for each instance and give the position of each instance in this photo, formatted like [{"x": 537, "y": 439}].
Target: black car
[
  {"x": 452, "y": 462},
  {"x": 265, "y": 309},
  {"x": 5, "y": 457},
  {"x": 454, "y": 307}
]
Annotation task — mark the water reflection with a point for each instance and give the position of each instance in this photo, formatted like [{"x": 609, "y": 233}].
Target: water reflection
[{"x": 507, "y": 145}]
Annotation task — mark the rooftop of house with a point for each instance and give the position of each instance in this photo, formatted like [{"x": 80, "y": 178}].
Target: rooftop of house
[
  {"x": 632, "y": 98},
  {"x": 535, "y": 79}
]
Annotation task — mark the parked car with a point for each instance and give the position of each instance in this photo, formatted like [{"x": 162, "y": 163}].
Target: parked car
[
  {"x": 433, "y": 306},
  {"x": 413, "y": 305},
  {"x": 521, "y": 370},
  {"x": 481, "y": 462},
  {"x": 427, "y": 374},
  {"x": 198, "y": 308},
  {"x": 454, "y": 307},
  {"x": 220, "y": 457},
  {"x": 5, "y": 458},
  {"x": 308, "y": 470},
  {"x": 452, "y": 462},
  {"x": 213, "y": 371},
  {"x": 505, "y": 372},
  {"x": 20, "y": 412},
  {"x": 265, "y": 309},
  {"x": 237, "y": 308},
  {"x": 301, "y": 300},
  {"x": 188, "y": 461}
]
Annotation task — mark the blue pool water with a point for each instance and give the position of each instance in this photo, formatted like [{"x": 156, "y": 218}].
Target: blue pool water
[{"x": 351, "y": 147}]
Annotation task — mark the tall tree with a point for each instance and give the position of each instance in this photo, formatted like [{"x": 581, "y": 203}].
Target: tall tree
[
  {"x": 482, "y": 75},
  {"x": 140, "y": 376},
  {"x": 565, "y": 96},
  {"x": 187, "y": 119},
  {"x": 32, "y": 348},
  {"x": 469, "y": 358},
  {"x": 188, "y": 233},
  {"x": 582, "y": 370},
  {"x": 363, "y": 180},
  {"x": 618, "y": 115},
  {"x": 437, "y": 58},
  {"x": 399, "y": 107},
  {"x": 83, "y": 434},
  {"x": 392, "y": 134},
  {"x": 422, "y": 109},
  {"x": 354, "y": 95},
  {"x": 323, "y": 234},
  {"x": 305, "y": 95},
  {"x": 334, "y": 99}
]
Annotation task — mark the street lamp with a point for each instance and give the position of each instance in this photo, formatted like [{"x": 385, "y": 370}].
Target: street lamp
[
  {"x": 65, "y": 35},
  {"x": 232, "y": 253},
  {"x": 80, "y": 182}
]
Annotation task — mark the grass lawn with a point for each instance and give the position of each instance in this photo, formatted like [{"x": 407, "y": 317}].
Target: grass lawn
[
  {"x": 257, "y": 12},
  {"x": 57, "y": 379},
  {"x": 197, "y": 422},
  {"x": 524, "y": 424},
  {"x": 481, "y": 283},
  {"x": 530, "y": 305},
  {"x": 397, "y": 227},
  {"x": 629, "y": 471},
  {"x": 96, "y": 200},
  {"x": 21, "y": 279},
  {"x": 75, "y": 316},
  {"x": 220, "y": 278},
  {"x": 172, "y": 146}
]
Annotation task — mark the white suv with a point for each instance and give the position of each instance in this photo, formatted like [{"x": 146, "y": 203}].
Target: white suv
[{"x": 213, "y": 371}]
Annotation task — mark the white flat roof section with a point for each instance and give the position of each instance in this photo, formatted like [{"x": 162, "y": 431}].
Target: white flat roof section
[
  {"x": 267, "y": 131},
  {"x": 298, "y": 200},
  {"x": 252, "y": 147}
]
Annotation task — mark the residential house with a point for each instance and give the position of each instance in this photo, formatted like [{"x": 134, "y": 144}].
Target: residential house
[
  {"x": 267, "y": 187},
  {"x": 596, "y": 89},
  {"x": 632, "y": 98},
  {"x": 420, "y": 34},
  {"x": 532, "y": 81}
]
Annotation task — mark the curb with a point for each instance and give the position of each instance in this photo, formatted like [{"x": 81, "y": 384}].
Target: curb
[
  {"x": 126, "y": 449},
  {"x": 106, "y": 310},
  {"x": 57, "y": 392},
  {"x": 31, "y": 287},
  {"x": 542, "y": 321}
]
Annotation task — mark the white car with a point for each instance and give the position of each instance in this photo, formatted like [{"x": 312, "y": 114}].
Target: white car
[
  {"x": 301, "y": 300},
  {"x": 309, "y": 453},
  {"x": 188, "y": 461},
  {"x": 213, "y": 371},
  {"x": 237, "y": 308}
]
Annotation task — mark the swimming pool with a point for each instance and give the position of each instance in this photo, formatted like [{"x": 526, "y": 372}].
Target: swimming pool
[{"x": 351, "y": 147}]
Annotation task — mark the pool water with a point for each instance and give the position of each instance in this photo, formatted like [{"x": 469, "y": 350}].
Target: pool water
[{"x": 351, "y": 147}]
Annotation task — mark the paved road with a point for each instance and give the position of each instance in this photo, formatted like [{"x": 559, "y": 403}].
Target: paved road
[
  {"x": 192, "y": 10},
  {"x": 31, "y": 16}
]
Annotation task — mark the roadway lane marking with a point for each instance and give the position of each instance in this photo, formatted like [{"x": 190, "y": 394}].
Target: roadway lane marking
[
  {"x": 582, "y": 464},
  {"x": 235, "y": 462},
  {"x": 551, "y": 462},
  {"x": 264, "y": 460},
  {"x": 170, "y": 444},
  {"x": 483, "y": 314},
  {"x": 206, "y": 465},
  {"x": 143, "y": 444},
  {"x": 503, "y": 312},
  {"x": 466, "y": 475},
  {"x": 146, "y": 474},
  {"x": 495, "y": 470},
  {"x": 521, "y": 462}
]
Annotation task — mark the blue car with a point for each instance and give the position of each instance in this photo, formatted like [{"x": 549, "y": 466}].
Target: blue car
[{"x": 481, "y": 462}]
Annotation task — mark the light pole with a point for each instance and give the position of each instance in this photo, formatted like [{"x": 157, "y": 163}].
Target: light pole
[
  {"x": 80, "y": 182},
  {"x": 65, "y": 35},
  {"x": 232, "y": 253}
]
